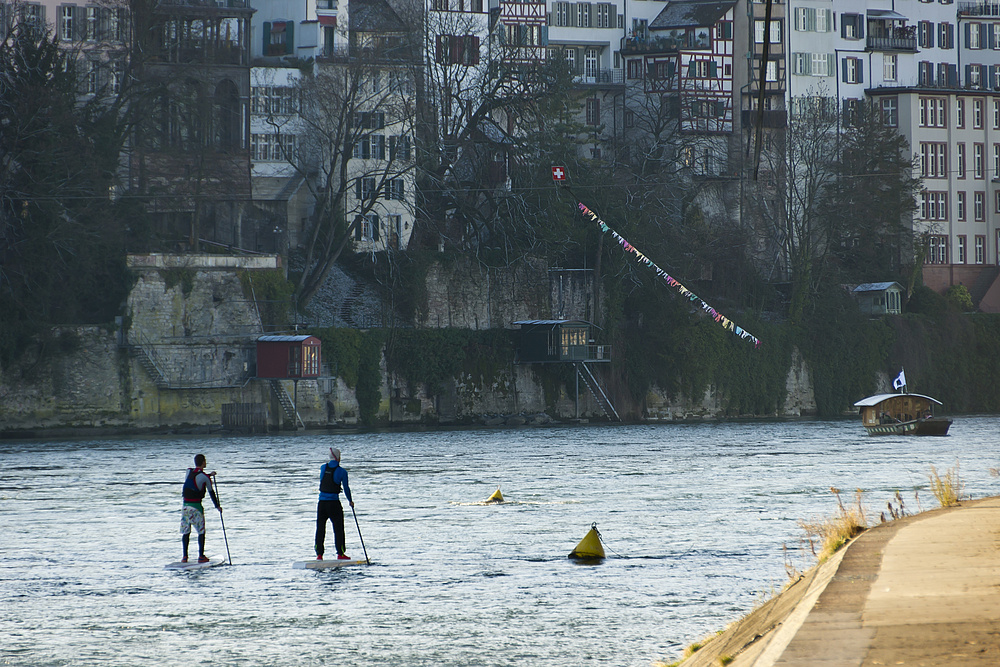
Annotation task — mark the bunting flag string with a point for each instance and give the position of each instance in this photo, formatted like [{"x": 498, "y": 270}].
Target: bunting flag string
[{"x": 670, "y": 280}]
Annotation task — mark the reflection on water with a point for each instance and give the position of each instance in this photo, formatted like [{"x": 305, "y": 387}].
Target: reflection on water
[{"x": 693, "y": 517}]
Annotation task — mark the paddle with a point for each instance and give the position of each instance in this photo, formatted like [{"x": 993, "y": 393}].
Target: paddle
[
  {"x": 359, "y": 535},
  {"x": 222, "y": 520}
]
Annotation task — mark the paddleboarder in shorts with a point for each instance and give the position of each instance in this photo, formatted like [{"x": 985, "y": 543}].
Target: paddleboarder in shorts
[
  {"x": 332, "y": 480},
  {"x": 196, "y": 484}
]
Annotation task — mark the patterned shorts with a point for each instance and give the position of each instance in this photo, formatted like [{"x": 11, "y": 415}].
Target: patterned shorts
[{"x": 192, "y": 517}]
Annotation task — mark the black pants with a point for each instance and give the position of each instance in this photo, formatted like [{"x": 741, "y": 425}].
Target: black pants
[{"x": 330, "y": 510}]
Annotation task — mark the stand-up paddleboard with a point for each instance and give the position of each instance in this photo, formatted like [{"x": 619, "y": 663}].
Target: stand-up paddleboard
[
  {"x": 324, "y": 564},
  {"x": 193, "y": 564}
]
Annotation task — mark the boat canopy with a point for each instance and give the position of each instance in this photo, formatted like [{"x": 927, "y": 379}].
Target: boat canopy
[{"x": 878, "y": 398}]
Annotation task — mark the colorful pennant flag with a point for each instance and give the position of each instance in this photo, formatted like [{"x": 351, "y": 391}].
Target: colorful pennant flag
[{"x": 683, "y": 291}]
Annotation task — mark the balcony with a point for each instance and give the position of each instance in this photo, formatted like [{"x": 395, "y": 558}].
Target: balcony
[
  {"x": 602, "y": 77},
  {"x": 640, "y": 43},
  {"x": 978, "y": 9},
  {"x": 884, "y": 36}
]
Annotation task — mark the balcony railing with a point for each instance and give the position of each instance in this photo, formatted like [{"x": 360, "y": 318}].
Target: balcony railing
[
  {"x": 978, "y": 9},
  {"x": 602, "y": 77},
  {"x": 891, "y": 43}
]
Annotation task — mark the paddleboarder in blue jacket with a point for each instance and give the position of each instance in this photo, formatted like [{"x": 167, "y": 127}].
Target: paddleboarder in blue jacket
[
  {"x": 196, "y": 484},
  {"x": 332, "y": 480}
]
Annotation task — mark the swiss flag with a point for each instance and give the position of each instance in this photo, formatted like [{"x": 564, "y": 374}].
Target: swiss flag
[{"x": 558, "y": 173}]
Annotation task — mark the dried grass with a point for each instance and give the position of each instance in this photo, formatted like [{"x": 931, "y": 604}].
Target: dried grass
[
  {"x": 947, "y": 489},
  {"x": 834, "y": 532}
]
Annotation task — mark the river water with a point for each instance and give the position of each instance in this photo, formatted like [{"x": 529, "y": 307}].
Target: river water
[{"x": 699, "y": 523}]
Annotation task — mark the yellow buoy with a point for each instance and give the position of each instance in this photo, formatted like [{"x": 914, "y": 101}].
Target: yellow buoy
[
  {"x": 590, "y": 547},
  {"x": 497, "y": 497}
]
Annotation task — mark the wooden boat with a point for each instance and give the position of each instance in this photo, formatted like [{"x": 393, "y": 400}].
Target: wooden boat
[{"x": 901, "y": 414}]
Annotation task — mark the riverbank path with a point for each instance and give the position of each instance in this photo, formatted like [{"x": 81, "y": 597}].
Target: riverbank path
[{"x": 921, "y": 591}]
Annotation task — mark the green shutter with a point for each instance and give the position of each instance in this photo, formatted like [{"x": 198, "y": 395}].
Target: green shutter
[
  {"x": 266, "y": 32},
  {"x": 289, "y": 37}
]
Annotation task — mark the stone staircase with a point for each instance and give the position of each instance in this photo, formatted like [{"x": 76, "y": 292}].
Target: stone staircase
[{"x": 349, "y": 304}]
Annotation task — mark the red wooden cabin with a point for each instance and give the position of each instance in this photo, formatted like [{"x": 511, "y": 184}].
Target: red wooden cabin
[{"x": 288, "y": 357}]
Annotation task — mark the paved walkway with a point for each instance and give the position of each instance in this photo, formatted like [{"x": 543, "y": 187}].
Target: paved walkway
[{"x": 920, "y": 591}]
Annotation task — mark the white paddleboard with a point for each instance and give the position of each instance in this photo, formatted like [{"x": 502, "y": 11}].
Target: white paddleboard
[
  {"x": 193, "y": 564},
  {"x": 324, "y": 564}
]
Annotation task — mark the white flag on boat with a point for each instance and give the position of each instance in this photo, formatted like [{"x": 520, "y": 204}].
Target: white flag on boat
[{"x": 900, "y": 381}]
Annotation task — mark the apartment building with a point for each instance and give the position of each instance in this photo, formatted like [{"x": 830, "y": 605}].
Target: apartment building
[{"x": 934, "y": 70}]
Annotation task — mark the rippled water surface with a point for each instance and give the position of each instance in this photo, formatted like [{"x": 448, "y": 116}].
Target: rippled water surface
[{"x": 695, "y": 519}]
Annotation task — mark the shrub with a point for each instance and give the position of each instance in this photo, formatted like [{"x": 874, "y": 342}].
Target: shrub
[{"x": 958, "y": 297}]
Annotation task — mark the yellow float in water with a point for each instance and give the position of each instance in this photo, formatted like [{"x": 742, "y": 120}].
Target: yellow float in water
[
  {"x": 497, "y": 497},
  {"x": 590, "y": 547}
]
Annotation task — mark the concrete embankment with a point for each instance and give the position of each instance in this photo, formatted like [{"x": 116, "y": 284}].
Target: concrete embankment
[{"x": 922, "y": 590}]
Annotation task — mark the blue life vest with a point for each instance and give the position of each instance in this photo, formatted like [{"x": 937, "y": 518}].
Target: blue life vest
[{"x": 191, "y": 491}]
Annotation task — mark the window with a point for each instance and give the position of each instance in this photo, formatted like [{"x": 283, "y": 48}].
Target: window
[
  {"x": 933, "y": 160},
  {"x": 889, "y": 66},
  {"x": 774, "y": 32},
  {"x": 932, "y": 112},
  {"x": 771, "y": 71},
  {"x": 851, "y": 26},
  {"x": 822, "y": 64},
  {"x": 66, "y": 22},
  {"x": 960, "y": 113},
  {"x": 979, "y": 206},
  {"x": 960, "y": 196},
  {"x": 459, "y": 49},
  {"x": 395, "y": 189},
  {"x": 633, "y": 68},
  {"x": 603, "y": 15},
  {"x": 399, "y": 147},
  {"x": 853, "y": 70},
  {"x": 590, "y": 63},
  {"x": 366, "y": 227},
  {"x": 583, "y": 15},
  {"x": 90, "y": 28},
  {"x": 977, "y": 114},
  {"x": 934, "y": 205},
  {"x": 973, "y": 35},
  {"x": 974, "y": 74},
  {"x": 593, "y": 111},
  {"x": 272, "y": 148},
  {"x": 560, "y": 13},
  {"x": 946, "y": 36},
  {"x": 890, "y": 112},
  {"x": 937, "y": 251},
  {"x": 703, "y": 68},
  {"x": 996, "y": 113},
  {"x": 268, "y": 100},
  {"x": 996, "y": 203},
  {"x": 980, "y": 249},
  {"x": 925, "y": 34},
  {"x": 961, "y": 250},
  {"x": 961, "y": 160},
  {"x": 996, "y": 160},
  {"x": 979, "y": 160},
  {"x": 364, "y": 187}
]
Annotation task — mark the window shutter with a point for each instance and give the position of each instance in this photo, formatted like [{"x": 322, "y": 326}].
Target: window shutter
[
  {"x": 861, "y": 69},
  {"x": 843, "y": 70},
  {"x": 691, "y": 69},
  {"x": 843, "y": 27},
  {"x": 545, "y": 40},
  {"x": 968, "y": 35},
  {"x": 953, "y": 75},
  {"x": 831, "y": 64},
  {"x": 984, "y": 76},
  {"x": 359, "y": 226},
  {"x": 79, "y": 23},
  {"x": 713, "y": 69},
  {"x": 982, "y": 35},
  {"x": 968, "y": 75},
  {"x": 357, "y": 189},
  {"x": 375, "y": 226},
  {"x": 860, "y": 22},
  {"x": 811, "y": 19},
  {"x": 439, "y": 48},
  {"x": 266, "y": 32},
  {"x": 289, "y": 37}
]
